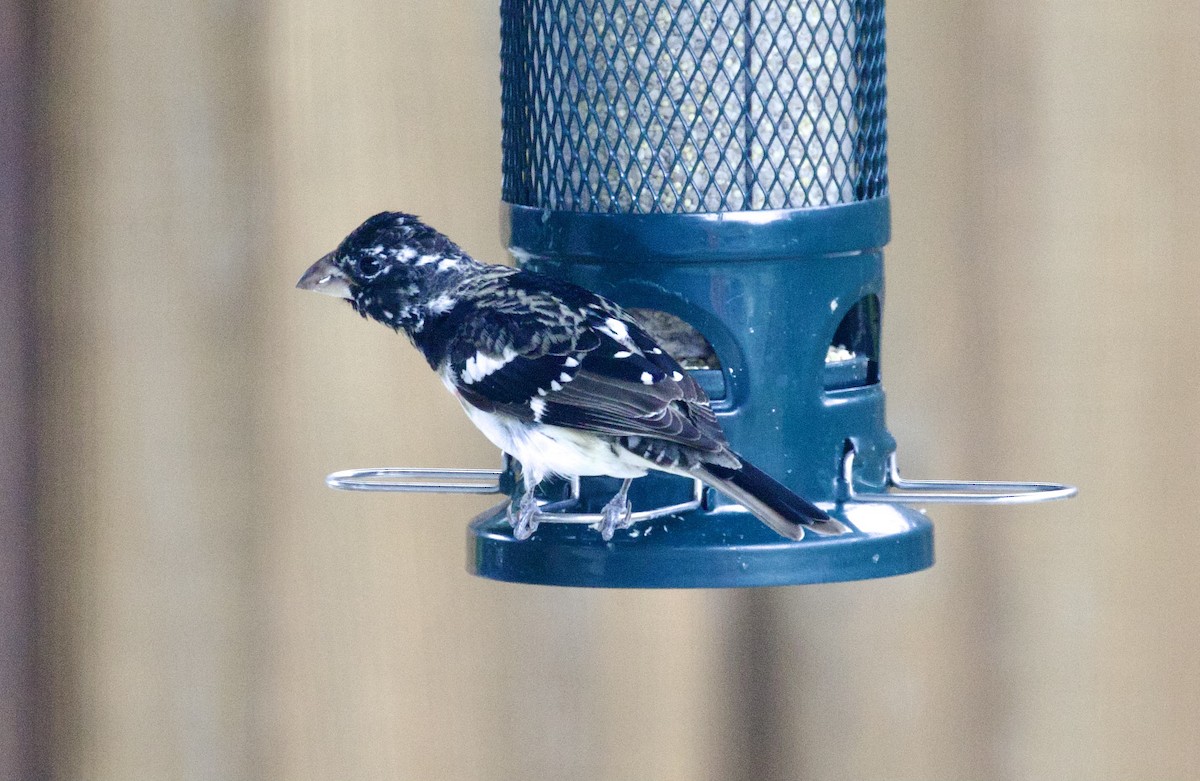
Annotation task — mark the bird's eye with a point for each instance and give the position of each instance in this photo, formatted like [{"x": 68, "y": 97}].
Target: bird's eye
[{"x": 368, "y": 266}]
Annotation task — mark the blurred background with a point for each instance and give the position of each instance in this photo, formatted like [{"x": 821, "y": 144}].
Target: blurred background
[{"x": 182, "y": 598}]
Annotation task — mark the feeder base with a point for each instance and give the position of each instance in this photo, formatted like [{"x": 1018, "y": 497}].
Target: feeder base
[{"x": 723, "y": 549}]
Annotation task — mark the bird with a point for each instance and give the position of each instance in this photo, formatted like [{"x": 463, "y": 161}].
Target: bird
[{"x": 561, "y": 379}]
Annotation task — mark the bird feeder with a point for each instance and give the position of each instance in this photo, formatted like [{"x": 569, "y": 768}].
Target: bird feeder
[{"x": 718, "y": 168}]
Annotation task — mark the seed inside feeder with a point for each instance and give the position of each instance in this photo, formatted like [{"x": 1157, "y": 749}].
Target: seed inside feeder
[
  {"x": 681, "y": 341},
  {"x": 839, "y": 353}
]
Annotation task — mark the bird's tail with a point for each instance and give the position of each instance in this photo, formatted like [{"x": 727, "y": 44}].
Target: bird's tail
[{"x": 769, "y": 500}]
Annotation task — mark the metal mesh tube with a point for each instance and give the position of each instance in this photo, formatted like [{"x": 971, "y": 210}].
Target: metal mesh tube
[{"x": 692, "y": 105}]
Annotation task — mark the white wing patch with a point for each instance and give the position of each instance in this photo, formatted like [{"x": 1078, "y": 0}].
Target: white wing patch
[
  {"x": 442, "y": 304},
  {"x": 481, "y": 365},
  {"x": 647, "y": 378},
  {"x": 619, "y": 332},
  {"x": 616, "y": 329},
  {"x": 538, "y": 405}
]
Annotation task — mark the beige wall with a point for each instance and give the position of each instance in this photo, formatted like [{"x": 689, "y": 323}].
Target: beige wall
[{"x": 215, "y": 613}]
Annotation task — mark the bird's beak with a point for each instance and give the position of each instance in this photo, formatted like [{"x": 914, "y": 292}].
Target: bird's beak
[{"x": 325, "y": 277}]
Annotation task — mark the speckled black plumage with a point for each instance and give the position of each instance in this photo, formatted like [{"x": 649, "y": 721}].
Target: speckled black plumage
[{"x": 493, "y": 309}]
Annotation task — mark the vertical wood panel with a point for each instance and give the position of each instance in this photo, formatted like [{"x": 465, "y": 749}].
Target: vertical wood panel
[
  {"x": 1100, "y": 604},
  {"x": 150, "y": 366},
  {"x": 20, "y": 706}
]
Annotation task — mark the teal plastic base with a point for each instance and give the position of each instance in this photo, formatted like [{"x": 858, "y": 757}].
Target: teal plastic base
[
  {"x": 775, "y": 294},
  {"x": 725, "y": 549}
]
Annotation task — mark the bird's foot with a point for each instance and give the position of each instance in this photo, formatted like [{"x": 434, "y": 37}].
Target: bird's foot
[
  {"x": 617, "y": 514},
  {"x": 522, "y": 516}
]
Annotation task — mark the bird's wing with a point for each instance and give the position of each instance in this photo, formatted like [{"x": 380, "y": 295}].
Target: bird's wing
[{"x": 601, "y": 374}]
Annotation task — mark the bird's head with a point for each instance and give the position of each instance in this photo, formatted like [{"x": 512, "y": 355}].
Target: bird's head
[{"x": 392, "y": 268}]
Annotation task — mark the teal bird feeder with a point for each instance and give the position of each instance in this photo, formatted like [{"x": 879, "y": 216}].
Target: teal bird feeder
[{"x": 718, "y": 168}]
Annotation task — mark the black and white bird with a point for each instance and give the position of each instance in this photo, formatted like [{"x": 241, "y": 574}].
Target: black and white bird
[{"x": 561, "y": 379}]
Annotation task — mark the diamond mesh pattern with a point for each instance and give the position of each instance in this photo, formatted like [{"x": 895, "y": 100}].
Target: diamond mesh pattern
[{"x": 692, "y": 105}]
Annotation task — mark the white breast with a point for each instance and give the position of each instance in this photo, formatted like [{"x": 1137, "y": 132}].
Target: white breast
[
  {"x": 552, "y": 450},
  {"x": 546, "y": 450}
]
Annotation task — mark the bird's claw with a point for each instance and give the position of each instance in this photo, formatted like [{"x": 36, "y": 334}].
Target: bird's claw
[
  {"x": 522, "y": 516},
  {"x": 617, "y": 514}
]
